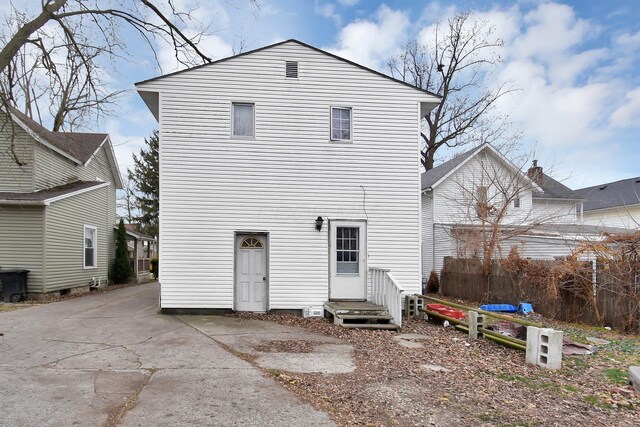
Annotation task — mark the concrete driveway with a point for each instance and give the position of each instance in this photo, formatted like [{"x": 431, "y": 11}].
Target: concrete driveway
[{"x": 111, "y": 359}]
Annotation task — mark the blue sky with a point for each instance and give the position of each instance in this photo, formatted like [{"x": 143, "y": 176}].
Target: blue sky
[{"x": 576, "y": 63}]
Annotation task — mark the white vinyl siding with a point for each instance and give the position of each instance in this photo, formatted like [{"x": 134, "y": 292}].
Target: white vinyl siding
[
  {"x": 243, "y": 119},
  {"x": 623, "y": 216},
  {"x": 554, "y": 211},
  {"x": 212, "y": 186},
  {"x": 427, "y": 234}
]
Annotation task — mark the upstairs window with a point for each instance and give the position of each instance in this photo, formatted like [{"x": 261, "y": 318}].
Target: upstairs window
[
  {"x": 516, "y": 202},
  {"x": 340, "y": 124},
  {"x": 243, "y": 119},
  {"x": 90, "y": 249},
  {"x": 291, "y": 69}
]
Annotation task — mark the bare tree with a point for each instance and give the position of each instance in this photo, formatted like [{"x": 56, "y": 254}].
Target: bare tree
[
  {"x": 126, "y": 203},
  {"x": 456, "y": 67},
  {"x": 491, "y": 203},
  {"x": 56, "y": 54}
]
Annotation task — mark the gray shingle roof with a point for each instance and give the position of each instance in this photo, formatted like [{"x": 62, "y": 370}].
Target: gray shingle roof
[
  {"x": 612, "y": 194},
  {"x": 79, "y": 145},
  {"x": 430, "y": 177},
  {"x": 49, "y": 193},
  {"x": 552, "y": 189}
]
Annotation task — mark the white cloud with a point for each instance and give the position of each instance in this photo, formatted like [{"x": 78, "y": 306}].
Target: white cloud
[
  {"x": 328, "y": 10},
  {"x": 627, "y": 114},
  {"x": 213, "y": 46},
  {"x": 348, "y": 2},
  {"x": 372, "y": 42}
]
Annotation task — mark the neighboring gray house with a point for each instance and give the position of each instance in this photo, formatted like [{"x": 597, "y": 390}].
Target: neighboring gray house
[
  {"x": 613, "y": 204},
  {"x": 57, "y": 204}
]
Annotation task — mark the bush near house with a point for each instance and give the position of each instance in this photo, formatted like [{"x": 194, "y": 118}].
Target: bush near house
[
  {"x": 154, "y": 267},
  {"x": 121, "y": 268}
]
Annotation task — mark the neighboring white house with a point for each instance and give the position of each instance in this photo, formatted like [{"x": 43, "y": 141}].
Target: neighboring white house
[
  {"x": 614, "y": 204},
  {"x": 537, "y": 213},
  {"x": 286, "y": 172}
]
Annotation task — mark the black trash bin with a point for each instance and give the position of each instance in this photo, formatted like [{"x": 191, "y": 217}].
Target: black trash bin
[{"x": 14, "y": 284}]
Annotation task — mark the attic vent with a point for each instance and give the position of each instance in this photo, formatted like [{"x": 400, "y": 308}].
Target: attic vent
[
  {"x": 603, "y": 187},
  {"x": 291, "y": 71}
]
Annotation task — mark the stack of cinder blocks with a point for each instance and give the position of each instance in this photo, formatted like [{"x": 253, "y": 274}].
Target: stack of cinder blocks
[
  {"x": 544, "y": 347},
  {"x": 412, "y": 305}
]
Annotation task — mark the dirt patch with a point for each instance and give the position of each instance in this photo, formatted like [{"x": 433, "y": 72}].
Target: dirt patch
[
  {"x": 487, "y": 384},
  {"x": 287, "y": 346}
]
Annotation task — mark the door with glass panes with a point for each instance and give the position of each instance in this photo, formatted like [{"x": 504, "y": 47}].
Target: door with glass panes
[{"x": 347, "y": 260}]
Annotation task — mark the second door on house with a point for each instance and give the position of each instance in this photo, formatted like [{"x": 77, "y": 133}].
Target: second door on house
[
  {"x": 347, "y": 257},
  {"x": 251, "y": 273}
]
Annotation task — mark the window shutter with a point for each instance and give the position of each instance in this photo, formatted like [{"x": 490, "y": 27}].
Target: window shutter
[{"x": 291, "y": 69}]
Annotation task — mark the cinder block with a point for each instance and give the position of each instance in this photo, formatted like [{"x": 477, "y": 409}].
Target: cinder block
[
  {"x": 550, "y": 350},
  {"x": 475, "y": 320},
  {"x": 544, "y": 347},
  {"x": 533, "y": 337},
  {"x": 634, "y": 377}
]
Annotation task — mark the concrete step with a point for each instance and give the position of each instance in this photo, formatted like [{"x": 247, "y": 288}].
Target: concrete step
[{"x": 389, "y": 326}]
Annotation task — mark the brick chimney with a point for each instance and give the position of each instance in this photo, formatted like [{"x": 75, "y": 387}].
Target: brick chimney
[{"x": 535, "y": 173}]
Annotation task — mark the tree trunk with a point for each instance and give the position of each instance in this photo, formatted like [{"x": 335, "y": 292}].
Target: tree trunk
[{"x": 22, "y": 35}]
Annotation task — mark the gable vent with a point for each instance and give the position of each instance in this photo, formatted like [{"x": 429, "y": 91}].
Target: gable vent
[{"x": 291, "y": 70}]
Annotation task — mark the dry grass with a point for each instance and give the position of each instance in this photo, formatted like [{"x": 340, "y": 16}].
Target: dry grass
[{"x": 488, "y": 384}]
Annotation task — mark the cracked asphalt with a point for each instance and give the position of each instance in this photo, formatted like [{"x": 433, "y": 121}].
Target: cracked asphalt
[{"x": 110, "y": 359}]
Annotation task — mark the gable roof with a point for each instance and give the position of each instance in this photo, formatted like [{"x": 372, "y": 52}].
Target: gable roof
[
  {"x": 548, "y": 189},
  {"x": 79, "y": 147},
  {"x": 611, "y": 194},
  {"x": 423, "y": 91},
  {"x": 433, "y": 176},
  {"x": 45, "y": 197},
  {"x": 552, "y": 189}
]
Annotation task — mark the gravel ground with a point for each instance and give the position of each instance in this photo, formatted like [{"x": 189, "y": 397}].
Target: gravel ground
[{"x": 483, "y": 383}]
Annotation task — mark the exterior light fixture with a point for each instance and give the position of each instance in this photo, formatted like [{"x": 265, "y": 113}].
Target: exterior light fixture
[{"x": 319, "y": 222}]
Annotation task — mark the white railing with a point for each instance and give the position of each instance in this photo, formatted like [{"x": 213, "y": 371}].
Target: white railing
[{"x": 386, "y": 292}]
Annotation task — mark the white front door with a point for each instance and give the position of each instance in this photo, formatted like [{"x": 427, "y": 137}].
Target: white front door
[
  {"x": 348, "y": 260},
  {"x": 251, "y": 273}
]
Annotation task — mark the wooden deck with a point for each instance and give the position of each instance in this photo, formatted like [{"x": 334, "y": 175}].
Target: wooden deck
[{"x": 359, "y": 314}]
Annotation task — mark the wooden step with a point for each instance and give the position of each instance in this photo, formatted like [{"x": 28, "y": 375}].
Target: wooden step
[
  {"x": 389, "y": 326},
  {"x": 363, "y": 317}
]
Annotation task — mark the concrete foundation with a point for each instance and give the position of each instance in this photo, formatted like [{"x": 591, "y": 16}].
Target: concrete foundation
[{"x": 80, "y": 290}]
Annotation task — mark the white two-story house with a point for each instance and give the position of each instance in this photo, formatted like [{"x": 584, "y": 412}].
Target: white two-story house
[
  {"x": 286, "y": 173},
  {"x": 468, "y": 197}
]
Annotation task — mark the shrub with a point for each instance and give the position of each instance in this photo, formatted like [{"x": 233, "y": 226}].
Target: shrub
[
  {"x": 154, "y": 266},
  {"x": 433, "y": 284},
  {"x": 121, "y": 268}
]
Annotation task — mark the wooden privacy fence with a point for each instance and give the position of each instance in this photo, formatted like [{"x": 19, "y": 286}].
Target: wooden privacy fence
[{"x": 463, "y": 278}]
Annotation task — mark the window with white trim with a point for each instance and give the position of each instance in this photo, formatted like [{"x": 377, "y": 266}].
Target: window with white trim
[
  {"x": 242, "y": 119},
  {"x": 340, "y": 124},
  {"x": 90, "y": 246}
]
